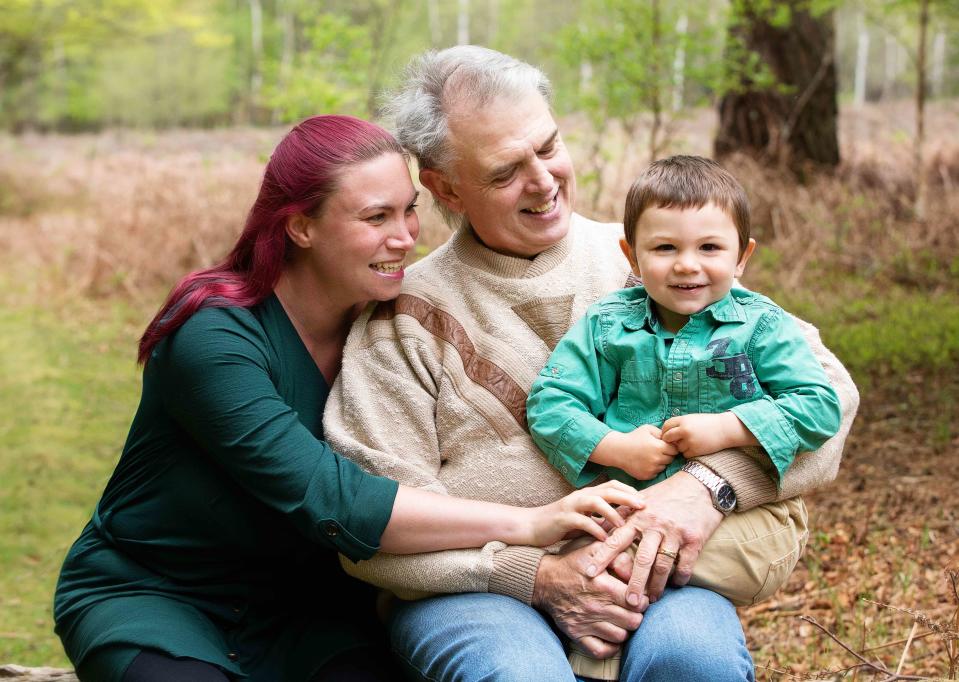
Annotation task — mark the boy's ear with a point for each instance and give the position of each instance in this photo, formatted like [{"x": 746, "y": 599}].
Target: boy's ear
[
  {"x": 630, "y": 256},
  {"x": 298, "y": 230},
  {"x": 747, "y": 252},
  {"x": 442, "y": 189}
]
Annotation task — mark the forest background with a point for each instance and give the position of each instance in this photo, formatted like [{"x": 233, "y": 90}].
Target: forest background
[{"x": 133, "y": 134}]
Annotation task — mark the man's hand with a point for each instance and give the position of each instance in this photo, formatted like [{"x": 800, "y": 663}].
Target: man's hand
[
  {"x": 703, "y": 434},
  {"x": 585, "y": 601},
  {"x": 641, "y": 453},
  {"x": 679, "y": 518}
]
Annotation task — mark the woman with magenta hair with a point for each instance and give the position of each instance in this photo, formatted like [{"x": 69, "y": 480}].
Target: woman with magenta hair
[{"x": 212, "y": 554}]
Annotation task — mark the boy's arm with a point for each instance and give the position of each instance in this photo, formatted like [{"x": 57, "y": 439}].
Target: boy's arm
[
  {"x": 800, "y": 410},
  {"x": 751, "y": 473}
]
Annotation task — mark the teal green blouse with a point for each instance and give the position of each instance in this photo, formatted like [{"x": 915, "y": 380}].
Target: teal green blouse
[
  {"x": 217, "y": 536},
  {"x": 618, "y": 368}
]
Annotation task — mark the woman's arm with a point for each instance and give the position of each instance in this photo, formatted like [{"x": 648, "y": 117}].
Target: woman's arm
[{"x": 424, "y": 522}]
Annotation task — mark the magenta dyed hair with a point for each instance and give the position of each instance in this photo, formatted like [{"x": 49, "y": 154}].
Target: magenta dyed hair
[{"x": 301, "y": 174}]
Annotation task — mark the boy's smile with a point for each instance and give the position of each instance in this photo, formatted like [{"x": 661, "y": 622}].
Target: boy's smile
[{"x": 687, "y": 259}]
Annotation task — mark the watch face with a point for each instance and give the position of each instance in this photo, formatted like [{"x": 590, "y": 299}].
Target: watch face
[{"x": 726, "y": 497}]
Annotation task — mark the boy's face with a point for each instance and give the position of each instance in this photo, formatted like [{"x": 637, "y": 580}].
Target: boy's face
[{"x": 687, "y": 259}]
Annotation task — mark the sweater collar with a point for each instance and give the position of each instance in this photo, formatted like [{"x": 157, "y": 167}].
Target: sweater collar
[{"x": 472, "y": 252}]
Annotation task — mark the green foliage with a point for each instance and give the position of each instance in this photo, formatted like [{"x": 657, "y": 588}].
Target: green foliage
[
  {"x": 328, "y": 74},
  {"x": 881, "y": 332}
]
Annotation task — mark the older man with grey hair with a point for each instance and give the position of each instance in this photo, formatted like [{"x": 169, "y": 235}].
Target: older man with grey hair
[{"x": 432, "y": 393}]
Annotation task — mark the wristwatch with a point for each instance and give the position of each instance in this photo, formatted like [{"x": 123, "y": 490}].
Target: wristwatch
[{"x": 722, "y": 494}]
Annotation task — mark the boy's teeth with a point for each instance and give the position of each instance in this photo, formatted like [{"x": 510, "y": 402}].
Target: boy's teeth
[{"x": 387, "y": 267}]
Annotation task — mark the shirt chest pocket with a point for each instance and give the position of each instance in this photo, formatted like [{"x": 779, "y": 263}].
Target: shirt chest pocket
[
  {"x": 727, "y": 381},
  {"x": 640, "y": 397}
]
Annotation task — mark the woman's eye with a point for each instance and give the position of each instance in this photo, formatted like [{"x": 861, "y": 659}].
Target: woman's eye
[
  {"x": 376, "y": 218},
  {"x": 411, "y": 208}
]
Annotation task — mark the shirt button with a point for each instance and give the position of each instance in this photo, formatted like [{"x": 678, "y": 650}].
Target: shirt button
[
  {"x": 332, "y": 530},
  {"x": 675, "y": 412},
  {"x": 678, "y": 376},
  {"x": 236, "y": 610},
  {"x": 232, "y": 656}
]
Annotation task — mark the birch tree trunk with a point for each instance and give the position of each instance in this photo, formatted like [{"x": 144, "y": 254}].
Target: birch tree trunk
[
  {"x": 433, "y": 17},
  {"x": 679, "y": 62},
  {"x": 256, "y": 44},
  {"x": 938, "y": 63},
  {"x": 463, "y": 23},
  {"x": 862, "y": 62}
]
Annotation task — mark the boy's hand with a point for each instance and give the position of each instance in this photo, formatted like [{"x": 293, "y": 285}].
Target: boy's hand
[
  {"x": 703, "y": 434},
  {"x": 641, "y": 453}
]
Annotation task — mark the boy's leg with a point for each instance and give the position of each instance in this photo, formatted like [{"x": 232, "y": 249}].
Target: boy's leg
[{"x": 752, "y": 553}]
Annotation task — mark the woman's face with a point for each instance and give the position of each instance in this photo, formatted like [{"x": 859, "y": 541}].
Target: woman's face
[{"x": 360, "y": 239}]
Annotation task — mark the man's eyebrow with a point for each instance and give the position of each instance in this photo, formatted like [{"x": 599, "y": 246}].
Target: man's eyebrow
[
  {"x": 550, "y": 140},
  {"x": 497, "y": 171}
]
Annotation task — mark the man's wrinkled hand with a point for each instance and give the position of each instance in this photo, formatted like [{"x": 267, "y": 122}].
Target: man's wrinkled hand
[{"x": 584, "y": 600}]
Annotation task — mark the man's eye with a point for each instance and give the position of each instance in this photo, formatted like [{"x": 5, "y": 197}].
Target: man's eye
[
  {"x": 547, "y": 152},
  {"x": 504, "y": 178}
]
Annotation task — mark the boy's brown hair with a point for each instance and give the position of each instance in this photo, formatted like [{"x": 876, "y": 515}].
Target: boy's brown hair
[{"x": 687, "y": 182}]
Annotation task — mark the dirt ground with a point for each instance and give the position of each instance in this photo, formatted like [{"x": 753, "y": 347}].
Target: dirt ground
[{"x": 884, "y": 536}]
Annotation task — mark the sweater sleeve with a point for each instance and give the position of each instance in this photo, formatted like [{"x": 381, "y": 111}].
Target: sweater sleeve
[
  {"x": 382, "y": 414},
  {"x": 750, "y": 471},
  {"x": 215, "y": 380}
]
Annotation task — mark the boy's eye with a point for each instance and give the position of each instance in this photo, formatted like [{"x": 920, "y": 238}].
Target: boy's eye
[
  {"x": 663, "y": 247},
  {"x": 710, "y": 247}
]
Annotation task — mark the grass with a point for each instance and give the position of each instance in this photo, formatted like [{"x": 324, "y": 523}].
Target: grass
[{"x": 70, "y": 386}]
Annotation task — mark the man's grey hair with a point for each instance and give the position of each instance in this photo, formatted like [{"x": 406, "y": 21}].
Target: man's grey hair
[{"x": 436, "y": 81}]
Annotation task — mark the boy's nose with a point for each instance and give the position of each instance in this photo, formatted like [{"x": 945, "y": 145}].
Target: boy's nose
[{"x": 686, "y": 263}]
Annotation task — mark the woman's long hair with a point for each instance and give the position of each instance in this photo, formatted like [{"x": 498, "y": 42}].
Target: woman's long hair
[{"x": 301, "y": 174}]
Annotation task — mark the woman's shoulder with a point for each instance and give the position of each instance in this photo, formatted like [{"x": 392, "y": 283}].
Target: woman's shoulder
[{"x": 215, "y": 332}]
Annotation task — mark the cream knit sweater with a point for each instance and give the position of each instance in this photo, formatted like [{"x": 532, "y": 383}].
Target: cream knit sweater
[{"x": 432, "y": 393}]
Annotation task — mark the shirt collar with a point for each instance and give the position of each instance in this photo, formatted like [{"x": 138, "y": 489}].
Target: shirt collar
[{"x": 641, "y": 315}]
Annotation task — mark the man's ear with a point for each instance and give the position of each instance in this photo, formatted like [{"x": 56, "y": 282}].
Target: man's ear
[
  {"x": 438, "y": 183},
  {"x": 630, "y": 256},
  {"x": 747, "y": 252},
  {"x": 298, "y": 230}
]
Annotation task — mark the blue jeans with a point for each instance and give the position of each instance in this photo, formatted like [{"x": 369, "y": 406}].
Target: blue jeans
[{"x": 690, "y": 634}]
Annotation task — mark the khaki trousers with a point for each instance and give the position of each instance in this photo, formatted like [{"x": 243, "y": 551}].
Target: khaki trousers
[{"x": 747, "y": 559}]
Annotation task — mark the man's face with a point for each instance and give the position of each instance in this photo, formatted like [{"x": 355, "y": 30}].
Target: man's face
[{"x": 512, "y": 176}]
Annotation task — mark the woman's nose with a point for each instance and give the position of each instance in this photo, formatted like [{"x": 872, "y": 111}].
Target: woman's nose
[{"x": 404, "y": 236}]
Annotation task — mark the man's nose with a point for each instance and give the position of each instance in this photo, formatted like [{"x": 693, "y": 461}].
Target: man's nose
[{"x": 540, "y": 180}]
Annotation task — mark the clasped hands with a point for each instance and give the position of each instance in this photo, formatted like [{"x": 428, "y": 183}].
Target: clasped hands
[{"x": 596, "y": 591}]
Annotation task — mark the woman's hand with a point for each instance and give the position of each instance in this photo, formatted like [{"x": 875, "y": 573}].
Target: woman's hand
[{"x": 587, "y": 510}]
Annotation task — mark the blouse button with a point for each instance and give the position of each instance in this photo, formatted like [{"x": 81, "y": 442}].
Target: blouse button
[
  {"x": 232, "y": 656},
  {"x": 332, "y": 530}
]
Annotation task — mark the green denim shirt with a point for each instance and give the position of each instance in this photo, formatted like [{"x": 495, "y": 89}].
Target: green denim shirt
[{"x": 618, "y": 368}]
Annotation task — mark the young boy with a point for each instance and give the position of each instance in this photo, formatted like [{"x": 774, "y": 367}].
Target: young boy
[{"x": 684, "y": 365}]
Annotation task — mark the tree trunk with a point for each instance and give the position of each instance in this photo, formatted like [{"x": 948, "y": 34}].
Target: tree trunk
[
  {"x": 463, "y": 23},
  {"x": 433, "y": 16},
  {"x": 938, "y": 63},
  {"x": 921, "y": 111},
  {"x": 800, "y": 124},
  {"x": 679, "y": 62},
  {"x": 256, "y": 65},
  {"x": 862, "y": 62}
]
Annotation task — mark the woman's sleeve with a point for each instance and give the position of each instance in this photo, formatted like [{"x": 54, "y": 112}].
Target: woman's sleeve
[{"x": 216, "y": 383}]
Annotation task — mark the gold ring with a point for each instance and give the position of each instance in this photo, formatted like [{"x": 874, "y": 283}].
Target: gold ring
[{"x": 666, "y": 552}]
